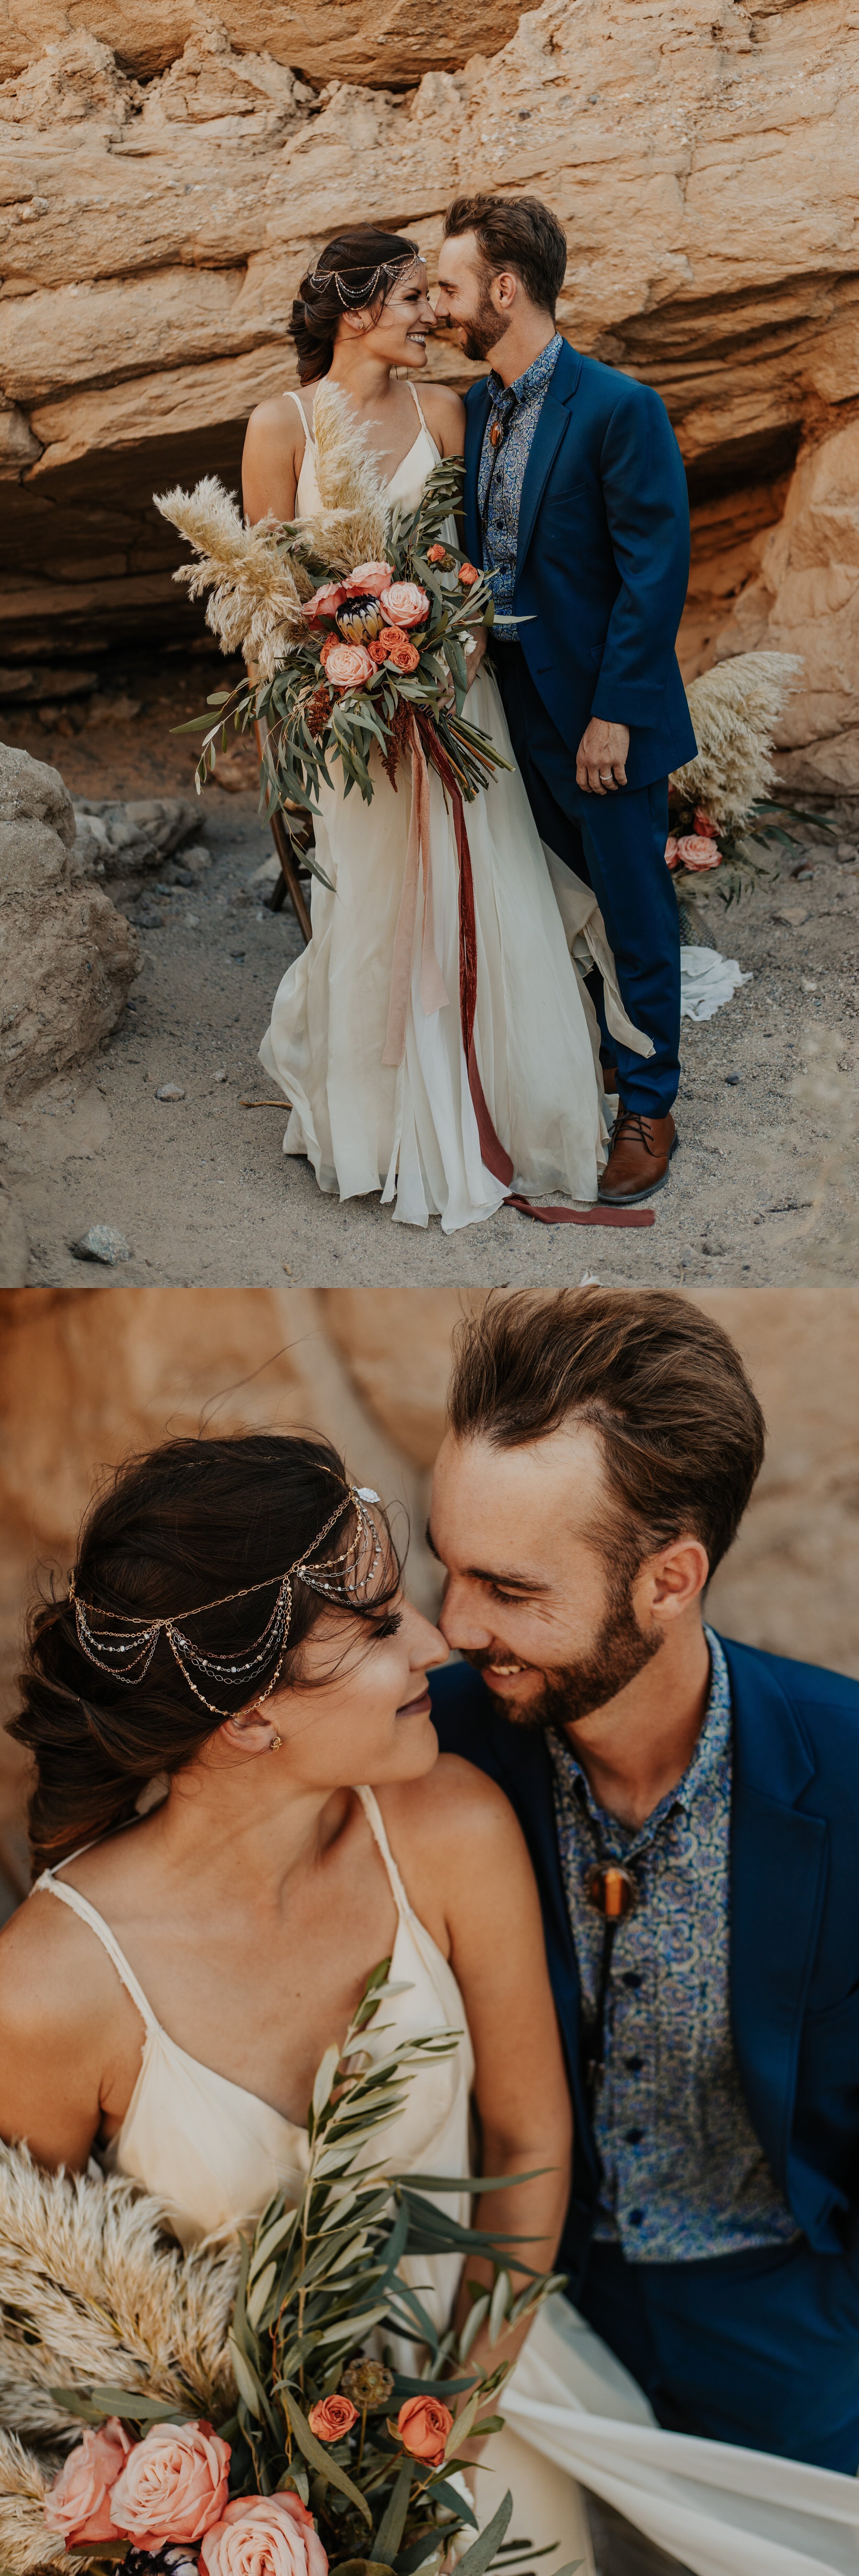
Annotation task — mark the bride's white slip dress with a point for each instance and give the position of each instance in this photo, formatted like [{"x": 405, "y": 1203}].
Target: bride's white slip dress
[
  {"x": 411, "y": 1130},
  {"x": 214, "y": 2153}
]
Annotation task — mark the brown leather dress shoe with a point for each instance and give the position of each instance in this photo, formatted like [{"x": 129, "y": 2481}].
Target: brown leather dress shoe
[{"x": 641, "y": 1151}]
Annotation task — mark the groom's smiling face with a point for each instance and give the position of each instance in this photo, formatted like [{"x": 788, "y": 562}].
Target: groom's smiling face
[{"x": 543, "y": 1590}]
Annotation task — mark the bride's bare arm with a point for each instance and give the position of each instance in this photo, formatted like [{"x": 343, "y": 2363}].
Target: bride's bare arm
[
  {"x": 445, "y": 416},
  {"x": 469, "y": 1878},
  {"x": 70, "y": 2037},
  {"x": 271, "y": 460}
]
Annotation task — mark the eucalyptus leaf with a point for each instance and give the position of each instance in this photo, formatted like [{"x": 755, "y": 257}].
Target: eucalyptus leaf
[
  {"x": 479, "y": 2557},
  {"x": 320, "y": 2459},
  {"x": 392, "y": 2525}
]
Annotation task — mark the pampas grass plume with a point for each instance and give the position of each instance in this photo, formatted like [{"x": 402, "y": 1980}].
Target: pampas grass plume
[{"x": 735, "y": 709}]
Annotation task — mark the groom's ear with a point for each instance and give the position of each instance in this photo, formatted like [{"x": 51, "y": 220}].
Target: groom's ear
[{"x": 672, "y": 1581}]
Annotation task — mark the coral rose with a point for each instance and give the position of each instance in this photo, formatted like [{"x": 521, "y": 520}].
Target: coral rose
[
  {"x": 348, "y": 666},
  {"x": 378, "y": 651},
  {"x": 370, "y": 579},
  {"x": 331, "y": 2418},
  {"x": 173, "y": 2486},
  {"x": 78, "y": 2504},
  {"x": 324, "y": 601},
  {"x": 403, "y": 653},
  {"x": 671, "y": 849},
  {"x": 696, "y": 852},
  {"x": 468, "y": 573},
  {"x": 437, "y": 554},
  {"x": 423, "y": 2424},
  {"x": 704, "y": 825},
  {"x": 405, "y": 604},
  {"x": 264, "y": 2536}
]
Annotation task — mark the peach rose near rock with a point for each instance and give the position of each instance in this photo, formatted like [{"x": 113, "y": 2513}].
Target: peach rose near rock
[
  {"x": 697, "y": 852},
  {"x": 174, "y": 2485},
  {"x": 78, "y": 2505}
]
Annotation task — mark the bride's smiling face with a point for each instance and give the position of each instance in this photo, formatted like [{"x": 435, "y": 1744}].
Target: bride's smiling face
[
  {"x": 359, "y": 1708},
  {"x": 398, "y": 336}
]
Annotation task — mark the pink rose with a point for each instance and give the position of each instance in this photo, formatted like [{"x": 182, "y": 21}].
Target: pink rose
[
  {"x": 78, "y": 2505},
  {"x": 671, "y": 848},
  {"x": 696, "y": 852},
  {"x": 705, "y": 825},
  {"x": 174, "y": 2485},
  {"x": 405, "y": 604},
  {"x": 264, "y": 2536},
  {"x": 349, "y": 666},
  {"x": 369, "y": 580},
  {"x": 325, "y": 600}
]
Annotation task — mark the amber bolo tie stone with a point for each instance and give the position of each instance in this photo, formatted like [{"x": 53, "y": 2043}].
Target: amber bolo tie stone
[
  {"x": 612, "y": 1891},
  {"x": 361, "y": 619},
  {"x": 496, "y": 434}
]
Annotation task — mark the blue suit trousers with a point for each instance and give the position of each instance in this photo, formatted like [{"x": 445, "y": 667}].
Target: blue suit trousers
[
  {"x": 760, "y": 2349},
  {"x": 617, "y": 842}
]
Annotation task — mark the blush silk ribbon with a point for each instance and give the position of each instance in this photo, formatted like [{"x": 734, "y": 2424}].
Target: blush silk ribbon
[{"x": 434, "y": 994}]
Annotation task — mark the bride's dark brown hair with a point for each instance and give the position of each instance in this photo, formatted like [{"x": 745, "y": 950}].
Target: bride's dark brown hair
[
  {"x": 355, "y": 256},
  {"x": 193, "y": 1520}
]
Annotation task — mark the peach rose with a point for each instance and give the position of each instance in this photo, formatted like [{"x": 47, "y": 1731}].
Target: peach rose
[
  {"x": 370, "y": 579},
  {"x": 348, "y": 666},
  {"x": 325, "y": 600},
  {"x": 264, "y": 2536},
  {"x": 173, "y": 2486},
  {"x": 437, "y": 554},
  {"x": 405, "y": 604},
  {"x": 331, "y": 2418},
  {"x": 78, "y": 2505},
  {"x": 705, "y": 826},
  {"x": 671, "y": 848},
  {"x": 468, "y": 573},
  {"x": 378, "y": 651},
  {"x": 423, "y": 2424},
  {"x": 696, "y": 852}
]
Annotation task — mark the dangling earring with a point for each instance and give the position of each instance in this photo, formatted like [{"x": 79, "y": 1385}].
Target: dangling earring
[{"x": 275, "y": 1744}]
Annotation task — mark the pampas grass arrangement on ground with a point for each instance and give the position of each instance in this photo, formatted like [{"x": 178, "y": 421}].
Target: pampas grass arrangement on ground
[{"x": 735, "y": 710}]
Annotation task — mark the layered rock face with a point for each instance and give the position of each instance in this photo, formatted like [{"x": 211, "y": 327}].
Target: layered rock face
[{"x": 169, "y": 173}]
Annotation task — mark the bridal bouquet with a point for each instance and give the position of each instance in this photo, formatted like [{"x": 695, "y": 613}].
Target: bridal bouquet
[
  {"x": 720, "y": 811},
  {"x": 357, "y": 622},
  {"x": 243, "y": 2413}
]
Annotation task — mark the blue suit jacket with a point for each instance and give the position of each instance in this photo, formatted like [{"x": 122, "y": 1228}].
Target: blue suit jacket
[
  {"x": 603, "y": 558},
  {"x": 794, "y": 1934}
]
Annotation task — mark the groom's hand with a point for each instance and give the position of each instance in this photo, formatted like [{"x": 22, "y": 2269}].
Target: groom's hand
[{"x": 601, "y": 757}]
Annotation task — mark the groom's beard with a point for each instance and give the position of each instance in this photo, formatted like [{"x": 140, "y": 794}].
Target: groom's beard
[
  {"x": 573, "y": 1691},
  {"x": 483, "y": 329}
]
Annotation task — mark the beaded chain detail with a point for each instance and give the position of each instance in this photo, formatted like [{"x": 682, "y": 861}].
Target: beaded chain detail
[{"x": 134, "y": 1641}]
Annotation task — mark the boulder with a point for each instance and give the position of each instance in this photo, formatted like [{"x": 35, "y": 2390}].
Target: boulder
[
  {"x": 67, "y": 957},
  {"x": 122, "y": 840}
]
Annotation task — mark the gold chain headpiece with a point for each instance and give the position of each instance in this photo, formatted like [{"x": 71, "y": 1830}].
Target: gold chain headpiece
[
  {"x": 350, "y": 296},
  {"x": 134, "y": 1642}
]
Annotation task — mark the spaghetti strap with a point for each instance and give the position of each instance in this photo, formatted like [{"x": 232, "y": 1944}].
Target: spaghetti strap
[
  {"x": 290, "y": 396},
  {"x": 418, "y": 407},
  {"x": 374, "y": 1820},
  {"x": 80, "y": 1905}
]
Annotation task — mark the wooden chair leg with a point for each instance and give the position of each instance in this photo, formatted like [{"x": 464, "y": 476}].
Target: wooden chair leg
[{"x": 288, "y": 882}]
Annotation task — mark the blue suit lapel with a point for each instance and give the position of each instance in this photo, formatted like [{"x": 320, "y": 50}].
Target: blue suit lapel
[
  {"x": 779, "y": 1859},
  {"x": 477, "y": 410},
  {"x": 545, "y": 443}
]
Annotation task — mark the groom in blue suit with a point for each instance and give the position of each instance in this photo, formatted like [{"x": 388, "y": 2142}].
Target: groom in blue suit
[
  {"x": 691, "y": 1807},
  {"x": 575, "y": 498}
]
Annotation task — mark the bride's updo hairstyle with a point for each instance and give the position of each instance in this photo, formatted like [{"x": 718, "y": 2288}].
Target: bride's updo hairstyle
[
  {"x": 352, "y": 273},
  {"x": 190, "y": 1523}
]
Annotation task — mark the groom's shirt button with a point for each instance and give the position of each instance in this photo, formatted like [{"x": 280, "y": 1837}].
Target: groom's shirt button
[
  {"x": 634, "y": 2065},
  {"x": 636, "y": 2218},
  {"x": 634, "y": 2137},
  {"x": 631, "y": 1977}
]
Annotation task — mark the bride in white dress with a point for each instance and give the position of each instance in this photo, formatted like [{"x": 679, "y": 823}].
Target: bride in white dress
[
  {"x": 168, "y": 1990},
  {"x": 410, "y": 1130}
]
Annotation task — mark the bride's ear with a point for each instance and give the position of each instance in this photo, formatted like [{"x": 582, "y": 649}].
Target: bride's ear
[{"x": 252, "y": 1731}]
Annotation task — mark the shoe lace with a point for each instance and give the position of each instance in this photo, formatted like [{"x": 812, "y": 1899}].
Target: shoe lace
[{"x": 635, "y": 1121}]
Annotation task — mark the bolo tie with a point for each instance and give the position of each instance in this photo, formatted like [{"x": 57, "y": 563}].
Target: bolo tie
[{"x": 612, "y": 1892}]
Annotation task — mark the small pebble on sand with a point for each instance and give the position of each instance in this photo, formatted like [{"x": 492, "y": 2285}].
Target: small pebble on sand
[{"x": 170, "y": 1091}]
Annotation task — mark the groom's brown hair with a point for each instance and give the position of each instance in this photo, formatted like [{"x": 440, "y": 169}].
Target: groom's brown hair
[
  {"x": 519, "y": 233},
  {"x": 680, "y": 1427}
]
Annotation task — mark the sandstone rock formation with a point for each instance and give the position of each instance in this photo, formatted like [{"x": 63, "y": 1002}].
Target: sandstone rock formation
[
  {"x": 171, "y": 171},
  {"x": 67, "y": 957}
]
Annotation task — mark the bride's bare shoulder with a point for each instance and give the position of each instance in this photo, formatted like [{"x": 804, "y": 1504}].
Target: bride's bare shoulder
[
  {"x": 53, "y": 1976},
  {"x": 445, "y": 412},
  {"x": 454, "y": 1801}
]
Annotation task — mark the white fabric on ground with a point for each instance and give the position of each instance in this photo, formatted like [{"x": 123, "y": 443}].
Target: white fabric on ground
[{"x": 707, "y": 981}]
